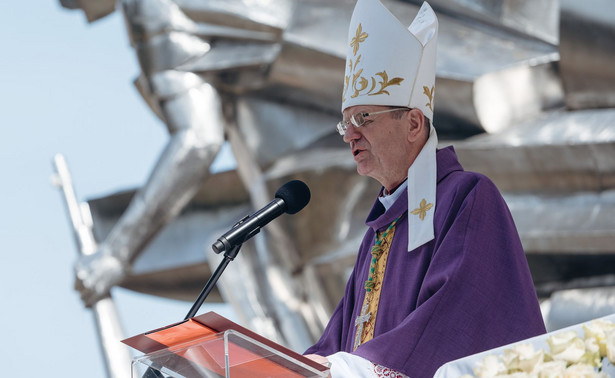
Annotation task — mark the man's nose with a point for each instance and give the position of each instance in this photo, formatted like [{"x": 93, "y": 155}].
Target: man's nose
[{"x": 352, "y": 133}]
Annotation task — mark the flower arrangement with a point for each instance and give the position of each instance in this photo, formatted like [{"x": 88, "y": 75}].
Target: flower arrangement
[{"x": 569, "y": 356}]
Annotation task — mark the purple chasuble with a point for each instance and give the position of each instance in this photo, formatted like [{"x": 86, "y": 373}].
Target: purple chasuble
[{"x": 466, "y": 291}]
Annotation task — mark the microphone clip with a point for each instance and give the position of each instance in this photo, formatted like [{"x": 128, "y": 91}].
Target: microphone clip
[{"x": 223, "y": 244}]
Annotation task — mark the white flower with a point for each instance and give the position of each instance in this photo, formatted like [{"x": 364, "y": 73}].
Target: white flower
[
  {"x": 566, "y": 346},
  {"x": 552, "y": 369},
  {"x": 591, "y": 346},
  {"x": 592, "y": 353},
  {"x": 490, "y": 366},
  {"x": 560, "y": 341},
  {"x": 581, "y": 371},
  {"x": 523, "y": 357},
  {"x": 569, "y": 357},
  {"x": 597, "y": 329},
  {"x": 518, "y": 374},
  {"x": 511, "y": 359},
  {"x": 531, "y": 362}
]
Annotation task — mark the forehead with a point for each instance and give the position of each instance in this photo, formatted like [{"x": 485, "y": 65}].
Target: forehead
[{"x": 362, "y": 109}]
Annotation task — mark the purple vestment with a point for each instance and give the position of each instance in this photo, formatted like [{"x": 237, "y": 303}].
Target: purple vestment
[{"x": 466, "y": 291}]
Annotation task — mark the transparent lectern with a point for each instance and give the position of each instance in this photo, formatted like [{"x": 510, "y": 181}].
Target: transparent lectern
[{"x": 210, "y": 345}]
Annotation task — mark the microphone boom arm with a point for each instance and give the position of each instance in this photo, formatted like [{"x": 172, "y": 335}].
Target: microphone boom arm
[
  {"x": 229, "y": 255},
  {"x": 289, "y": 198}
]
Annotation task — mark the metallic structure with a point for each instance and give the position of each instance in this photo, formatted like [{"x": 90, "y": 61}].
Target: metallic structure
[
  {"x": 525, "y": 91},
  {"x": 105, "y": 313}
]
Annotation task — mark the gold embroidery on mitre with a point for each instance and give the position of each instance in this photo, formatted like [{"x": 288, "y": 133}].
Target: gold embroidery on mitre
[
  {"x": 429, "y": 93},
  {"x": 422, "y": 210},
  {"x": 360, "y": 83},
  {"x": 359, "y": 37}
]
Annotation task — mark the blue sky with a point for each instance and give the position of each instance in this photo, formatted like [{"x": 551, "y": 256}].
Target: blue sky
[{"x": 65, "y": 87}]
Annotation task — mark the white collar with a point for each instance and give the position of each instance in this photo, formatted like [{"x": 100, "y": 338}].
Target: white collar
[
  {"x": 387, "y": 200},
  {"x": 422, "y": 177}
]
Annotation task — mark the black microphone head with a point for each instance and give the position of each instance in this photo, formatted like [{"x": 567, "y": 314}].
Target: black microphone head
[{"x": 295, "y": 194}]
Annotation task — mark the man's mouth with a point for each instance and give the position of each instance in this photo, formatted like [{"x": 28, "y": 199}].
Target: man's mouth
[{"x": 357, "y": 152}]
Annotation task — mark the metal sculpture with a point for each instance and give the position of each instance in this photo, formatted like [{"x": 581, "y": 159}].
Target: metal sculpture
[{"x": 267, "y": 77}]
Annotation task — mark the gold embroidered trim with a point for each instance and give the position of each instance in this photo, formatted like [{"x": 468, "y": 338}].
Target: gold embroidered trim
[{"x": 372, "y": 297}]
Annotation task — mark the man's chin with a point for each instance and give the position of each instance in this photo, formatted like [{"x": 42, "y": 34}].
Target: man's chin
[{"x": 363, "y": 170}]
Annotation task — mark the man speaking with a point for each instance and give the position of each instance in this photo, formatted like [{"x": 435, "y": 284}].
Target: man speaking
[{"x": 441, "y": 272}]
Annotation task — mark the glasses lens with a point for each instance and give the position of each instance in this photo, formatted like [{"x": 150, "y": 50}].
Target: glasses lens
[
  {"x": 341, "y": 127},
  {"x": 357, "y": 119}
]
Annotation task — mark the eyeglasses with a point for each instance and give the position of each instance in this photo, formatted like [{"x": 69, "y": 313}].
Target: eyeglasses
[{"x": 358, "y": 120}]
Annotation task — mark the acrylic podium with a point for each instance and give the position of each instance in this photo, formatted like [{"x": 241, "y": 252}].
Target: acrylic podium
[{"x": 210, "y": 345}]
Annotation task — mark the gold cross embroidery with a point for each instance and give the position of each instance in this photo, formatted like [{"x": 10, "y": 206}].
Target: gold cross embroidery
[
  {"x": 422, "y": 210},
  {"x": 358, "y": 38}
]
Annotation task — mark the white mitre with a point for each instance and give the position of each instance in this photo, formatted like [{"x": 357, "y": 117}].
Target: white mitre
[
  {"x": 387, "y": 64},
  {"x": 391, "y": 65}
]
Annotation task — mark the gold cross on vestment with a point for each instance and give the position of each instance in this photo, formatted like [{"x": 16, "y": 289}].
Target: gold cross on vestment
[
  {"x": 359, "y": 323},
  {"x": 422, "y": 210}
]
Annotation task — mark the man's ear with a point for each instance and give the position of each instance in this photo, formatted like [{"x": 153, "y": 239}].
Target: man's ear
[{"x": 416, "y": 124}]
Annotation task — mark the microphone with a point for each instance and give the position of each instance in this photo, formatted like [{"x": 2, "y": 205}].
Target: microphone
[{"x": 289, "y": 198}]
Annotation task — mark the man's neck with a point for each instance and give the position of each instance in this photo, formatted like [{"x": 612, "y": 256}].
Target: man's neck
[
  {"x": 387, "y": 199},
  {"x": 388, "y": 192}
]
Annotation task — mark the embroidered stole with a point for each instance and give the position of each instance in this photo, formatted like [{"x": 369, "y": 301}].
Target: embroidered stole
[{"x": 366, "y": 321}]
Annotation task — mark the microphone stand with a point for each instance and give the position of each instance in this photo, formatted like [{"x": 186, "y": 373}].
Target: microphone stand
[
  {"x": 211, "y": 283},
  {"x": 228, "y": 257}
]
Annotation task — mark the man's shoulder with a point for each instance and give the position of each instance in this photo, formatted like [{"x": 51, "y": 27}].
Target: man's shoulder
[
  {"x": 452, "y": 173},
  {"x": 467, "y": 180},
  {"x": 467, "y": 190},
  {"x": 467, "y": 187}
]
